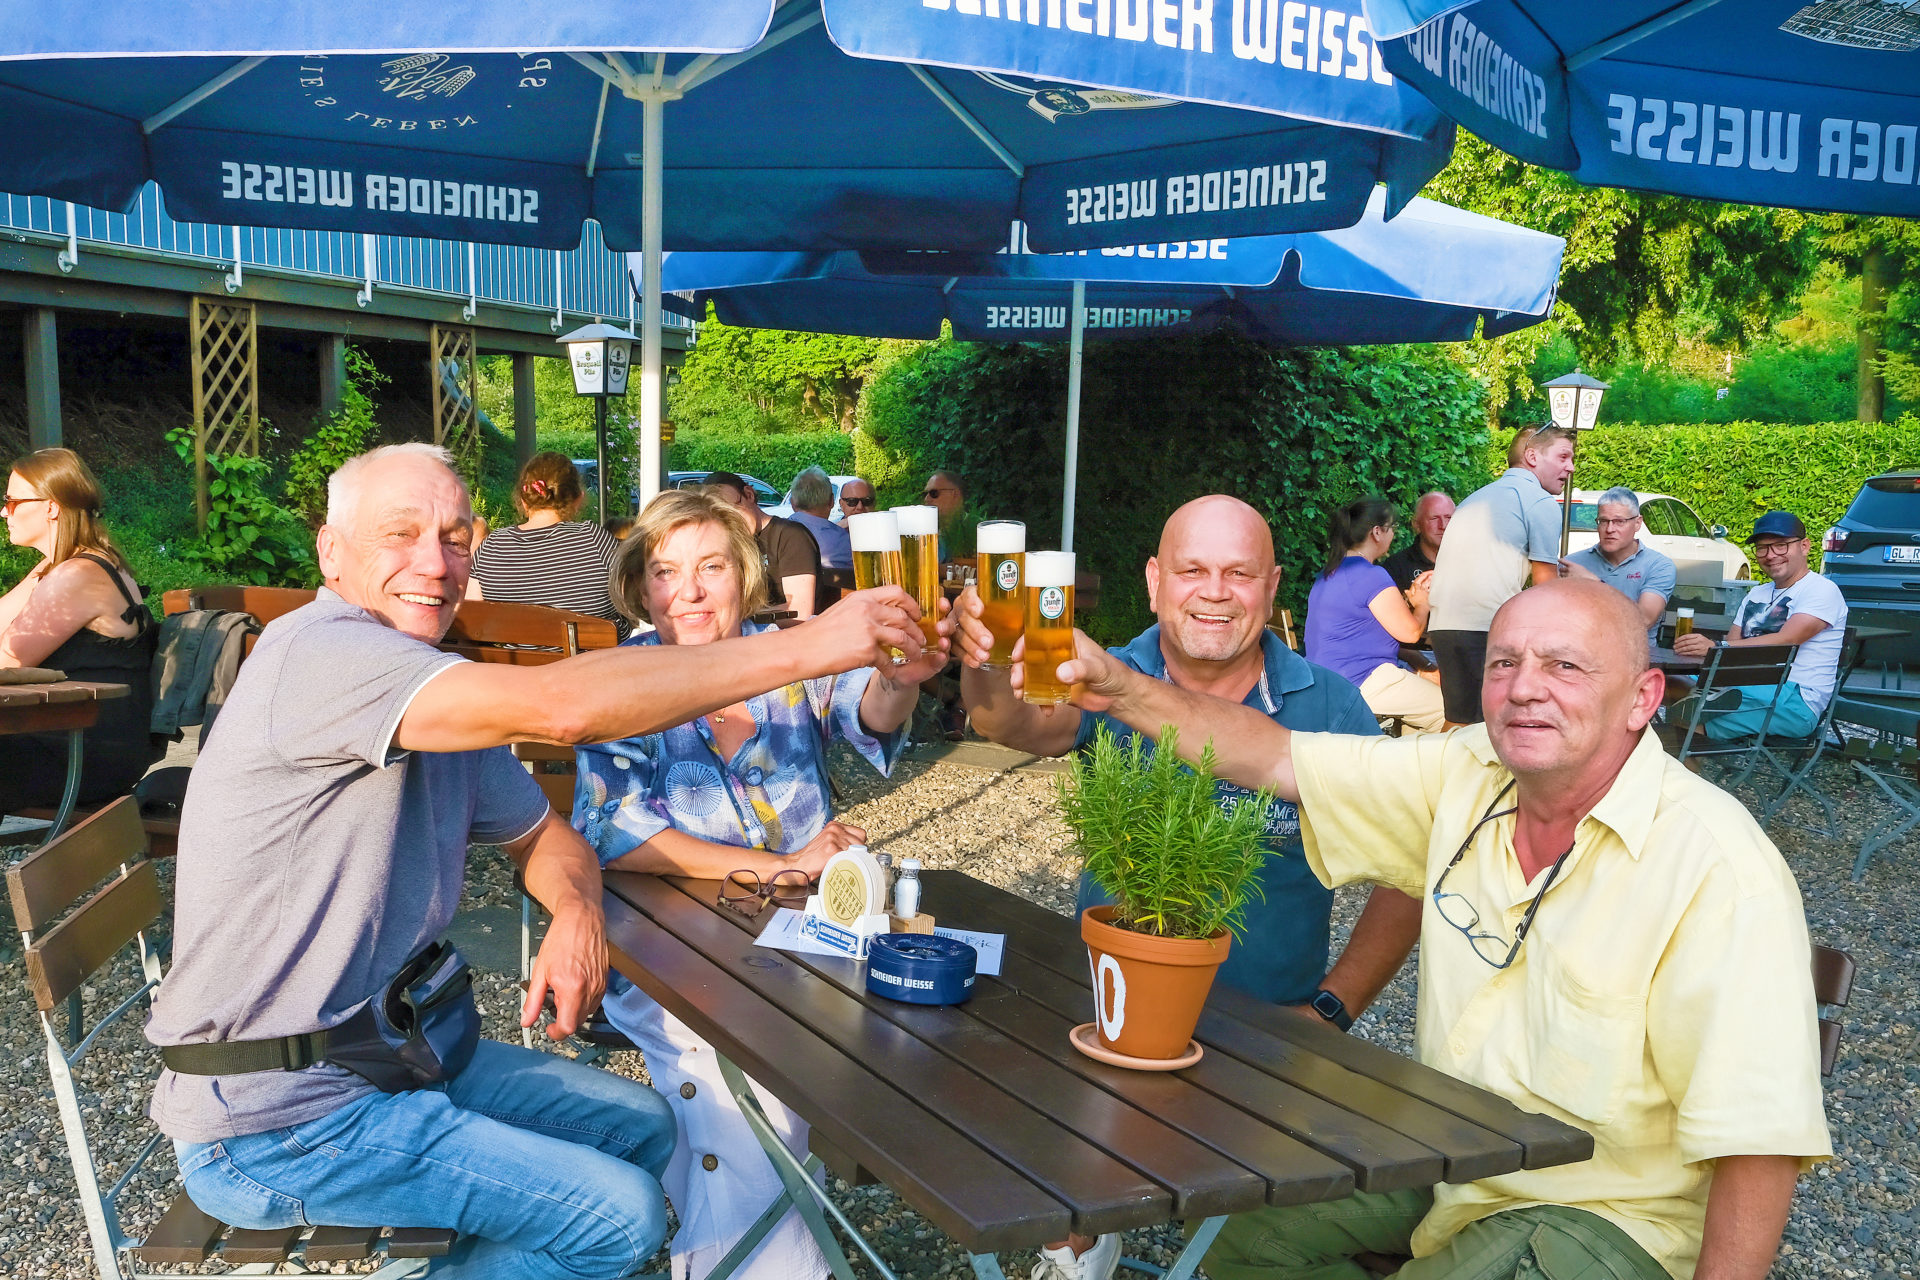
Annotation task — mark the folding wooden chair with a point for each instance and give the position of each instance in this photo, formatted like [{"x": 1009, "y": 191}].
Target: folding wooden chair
[
  {"x": 1763, "y": 668},
  {"x": 72, "y": 933},
  {"x": 1778, "y": 750},
  {"x": 1896, "y": 771},
  {"x": 1832, "y": 987}
]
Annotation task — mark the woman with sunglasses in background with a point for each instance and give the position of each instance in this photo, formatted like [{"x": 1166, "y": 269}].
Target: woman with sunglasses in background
[
  {"x": 741, "y": 796},
  {"x": 79, "y": 611}
]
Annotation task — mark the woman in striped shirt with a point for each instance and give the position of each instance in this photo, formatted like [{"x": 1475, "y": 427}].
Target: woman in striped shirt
[{"x": 550, "y": 558}]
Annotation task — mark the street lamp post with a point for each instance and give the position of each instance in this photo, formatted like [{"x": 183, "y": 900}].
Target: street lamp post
[
  {"x": 600, "y": 355},
  {"x": 1573, "y": 401}
]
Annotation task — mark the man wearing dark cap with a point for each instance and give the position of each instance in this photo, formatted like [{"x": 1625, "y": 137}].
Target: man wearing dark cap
[{"x": 1794, "y": 606}]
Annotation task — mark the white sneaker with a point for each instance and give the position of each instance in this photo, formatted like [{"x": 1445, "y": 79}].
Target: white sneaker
[{"x": 1097, "y": 1263}]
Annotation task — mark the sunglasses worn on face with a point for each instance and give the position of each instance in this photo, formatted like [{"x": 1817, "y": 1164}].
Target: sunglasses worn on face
[
  {"x": 12, "y": 503},
  {"x": 845, "y": 501},
  {"x": 933, "y": 494},
  {"x": 1465, "y": 917},
  {"x": 745, "y": 892}
]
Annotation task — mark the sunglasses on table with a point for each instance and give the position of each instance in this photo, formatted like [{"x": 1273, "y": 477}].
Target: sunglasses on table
[
  {"x": 747, "y": 893},
  {"x": 1464, "y": 916}
]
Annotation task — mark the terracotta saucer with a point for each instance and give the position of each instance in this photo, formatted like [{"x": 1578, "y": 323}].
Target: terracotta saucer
[{"x": 1087, "y": 1040}]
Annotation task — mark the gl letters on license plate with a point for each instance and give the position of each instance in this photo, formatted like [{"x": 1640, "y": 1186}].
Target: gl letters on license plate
[{"x": 1903, "y": 555}]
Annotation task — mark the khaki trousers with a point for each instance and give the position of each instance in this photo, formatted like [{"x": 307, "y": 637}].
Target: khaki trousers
[{"x": 1396, "y": 691}]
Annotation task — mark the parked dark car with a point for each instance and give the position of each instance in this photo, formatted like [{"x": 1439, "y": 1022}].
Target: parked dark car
[{"x": 1873, "y": 556}]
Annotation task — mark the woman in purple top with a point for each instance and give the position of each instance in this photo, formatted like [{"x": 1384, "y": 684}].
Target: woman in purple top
[{"x": 1357, "y": 619}]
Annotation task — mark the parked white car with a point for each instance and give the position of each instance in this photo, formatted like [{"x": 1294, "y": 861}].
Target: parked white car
[{"x": 1671, "y": 527}]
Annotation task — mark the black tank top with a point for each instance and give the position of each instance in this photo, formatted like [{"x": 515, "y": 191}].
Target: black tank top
[{"x": 120, "y": 745}]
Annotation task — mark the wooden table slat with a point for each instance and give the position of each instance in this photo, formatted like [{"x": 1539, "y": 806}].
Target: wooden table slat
[
  {"x": 968, "y": 1194},
  {"x": 1104, "y": 1194},
  {"x": 1543, "y": 1141},
  {"x": 1200, "y": 1180}
]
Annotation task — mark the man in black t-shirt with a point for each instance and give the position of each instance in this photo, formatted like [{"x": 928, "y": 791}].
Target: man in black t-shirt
[
  {"x": 1430, "y": 517},
  {"x": 792, "y": 556}
]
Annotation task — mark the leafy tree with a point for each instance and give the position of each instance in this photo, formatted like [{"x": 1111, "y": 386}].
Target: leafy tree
[
  {"x": 787, "y": 380},
  {"x": 1882, "y": 253}
]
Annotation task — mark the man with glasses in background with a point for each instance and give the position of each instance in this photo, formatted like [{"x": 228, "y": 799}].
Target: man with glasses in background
[
  {"x": 1607, "y": 939},
  {"x": 1619, "y": 559},
  {"x": 947, "y": 494},
  {"x": 856, "y": 496},
  {"x": 1794, "y": 606}
]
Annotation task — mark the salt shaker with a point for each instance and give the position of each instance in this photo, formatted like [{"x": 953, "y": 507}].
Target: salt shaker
[{"x": 906, "y": 890}]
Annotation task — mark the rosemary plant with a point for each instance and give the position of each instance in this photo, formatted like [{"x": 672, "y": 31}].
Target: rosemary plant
[{"x": 1157, "y": 840}]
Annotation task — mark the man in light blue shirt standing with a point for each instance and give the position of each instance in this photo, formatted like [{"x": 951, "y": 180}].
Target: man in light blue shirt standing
[
  {"x": 812, "y": 498},
  {"x": 1622, "y": 561}
]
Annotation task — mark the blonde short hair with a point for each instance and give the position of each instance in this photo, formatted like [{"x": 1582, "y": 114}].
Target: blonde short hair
[{"x": 673, "y": 510}]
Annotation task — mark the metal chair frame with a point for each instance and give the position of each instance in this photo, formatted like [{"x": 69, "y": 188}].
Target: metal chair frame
[
  {"x": 1814, "y": 745},
  {"x": 1742, "y": 667}
]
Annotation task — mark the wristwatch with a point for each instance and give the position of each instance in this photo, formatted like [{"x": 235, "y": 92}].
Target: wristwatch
[{"x": 1332, "y": 1008}]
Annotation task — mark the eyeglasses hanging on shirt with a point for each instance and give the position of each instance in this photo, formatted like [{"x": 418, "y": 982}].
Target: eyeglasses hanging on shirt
[{"x": 1464, "y": 916}]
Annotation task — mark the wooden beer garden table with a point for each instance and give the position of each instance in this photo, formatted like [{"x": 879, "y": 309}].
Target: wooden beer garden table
[
  {"x": 988, "y": 1123},
  {"x": 72, "y": 706}
]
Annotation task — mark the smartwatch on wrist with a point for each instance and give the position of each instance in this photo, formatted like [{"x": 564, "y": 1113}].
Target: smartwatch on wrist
[{"x": 1332, "y": 1008}]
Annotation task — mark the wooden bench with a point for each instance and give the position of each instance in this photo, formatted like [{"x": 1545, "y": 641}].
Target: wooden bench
[
  {"x": 75, "y": 926},
  {"x": 1832, "y": 987}
]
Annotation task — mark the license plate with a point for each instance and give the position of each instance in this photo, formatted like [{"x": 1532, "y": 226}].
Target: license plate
[{"x": 1903, "y": 555}]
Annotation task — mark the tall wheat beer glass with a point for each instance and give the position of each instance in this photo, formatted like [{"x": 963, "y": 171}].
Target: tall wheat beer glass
[
  {"x": 920, "y": 558},
  {"x": 1000, "y": 550},
  {"x": 876, "y": 554},
  {"x": 1049, "y": 624}
]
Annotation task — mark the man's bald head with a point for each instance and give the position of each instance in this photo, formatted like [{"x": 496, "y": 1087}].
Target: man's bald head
[
  {"x": 1213, "y": 519},
  {"x": 1568, "y": 688},
  {"x": 1213, "y": 581}
]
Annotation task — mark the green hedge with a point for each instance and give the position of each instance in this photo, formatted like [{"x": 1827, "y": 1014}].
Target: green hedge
[
  {"x": 1731, "y": 473},
  {"x": 777, "y": 459},
  {"x": 1294, "y": 432}
]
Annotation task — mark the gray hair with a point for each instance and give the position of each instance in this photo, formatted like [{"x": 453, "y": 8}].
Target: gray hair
[
  {"x": 343, "y": 486},
  {"x": 1619, "y": 496},
  {"x": 811, "y": 489}
]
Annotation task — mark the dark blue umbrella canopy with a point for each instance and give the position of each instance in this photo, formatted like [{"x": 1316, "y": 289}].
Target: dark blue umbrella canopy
[
  {"x": 387, "y": 117},
  {"x": 1775, "y": 102},
  {"x": 1432, "y": 274}
]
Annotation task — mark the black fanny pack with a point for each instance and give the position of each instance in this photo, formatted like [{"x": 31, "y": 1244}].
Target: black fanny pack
[{"x": 420, "y": 1030}]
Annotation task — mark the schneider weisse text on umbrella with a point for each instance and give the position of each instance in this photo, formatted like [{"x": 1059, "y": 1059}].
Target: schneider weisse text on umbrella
[
  {"x": 390, "y": 192},
  {"x": 1731, "y": 136}
]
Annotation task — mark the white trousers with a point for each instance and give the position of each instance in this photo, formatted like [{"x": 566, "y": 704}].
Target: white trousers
[{"x": 717, "y": 1205}]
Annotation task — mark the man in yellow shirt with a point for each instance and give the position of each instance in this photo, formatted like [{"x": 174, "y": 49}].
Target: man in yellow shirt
[{"x": 1606, "y": 939}]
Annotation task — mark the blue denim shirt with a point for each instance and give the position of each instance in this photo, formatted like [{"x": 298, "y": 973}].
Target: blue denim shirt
[
  {"x": 1284, "y": 954},
  {"x": 772, "y": 795}
]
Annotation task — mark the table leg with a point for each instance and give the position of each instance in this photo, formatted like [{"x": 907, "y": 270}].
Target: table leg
[
  {"x": 76, "y": 742},
  {"x": 986, "y": 1266},
  {"x": 807, "y": 1196}
]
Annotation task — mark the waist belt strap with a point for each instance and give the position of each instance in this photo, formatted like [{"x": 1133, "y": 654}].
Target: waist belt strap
[{"x": 238, "y": 1057}]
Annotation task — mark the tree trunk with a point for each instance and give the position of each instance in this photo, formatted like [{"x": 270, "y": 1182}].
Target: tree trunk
[
  {"x": 847, "y": 390},
  {"x": 810, "y": 399},
  {"x": 1876, "y": 272}
]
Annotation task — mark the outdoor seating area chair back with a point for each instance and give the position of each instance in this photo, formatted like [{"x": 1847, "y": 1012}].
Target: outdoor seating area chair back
[
  {"x": 1777, "y": 751},
  {"x": 74, "y": 928},
  {"x": 1832, "y": 987},
  {"x": 264, "y": 603},
  {"x": 1764, "y": 669},
  {"x": 1895, "y": 770},
  {"x": 527, "y": 635}
]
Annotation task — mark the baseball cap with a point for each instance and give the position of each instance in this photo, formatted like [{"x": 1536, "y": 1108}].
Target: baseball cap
[{"x": 1777, "y": 524}]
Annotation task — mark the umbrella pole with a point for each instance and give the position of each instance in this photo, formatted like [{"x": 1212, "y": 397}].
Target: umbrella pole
[
  {"x": 651, "y": 172},
  {"x": 1076, "y": 343}
]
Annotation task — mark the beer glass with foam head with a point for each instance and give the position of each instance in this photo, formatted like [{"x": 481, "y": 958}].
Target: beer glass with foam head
[
  {"x": 876, "y": 554},
  {"x": 920, "y": 561},
  {"x": 1049, "y": 626},
  {"x": 1000, "y": 553}
]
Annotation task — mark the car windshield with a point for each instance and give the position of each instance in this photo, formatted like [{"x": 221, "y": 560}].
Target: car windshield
[{"x": 1888, "y": 502}]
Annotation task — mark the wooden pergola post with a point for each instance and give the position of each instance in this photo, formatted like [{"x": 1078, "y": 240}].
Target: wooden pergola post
[{"x": 225, "y": 341}]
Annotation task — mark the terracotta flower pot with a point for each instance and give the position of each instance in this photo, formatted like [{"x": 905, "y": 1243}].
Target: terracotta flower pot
[{"x": 1148, "y": 990}]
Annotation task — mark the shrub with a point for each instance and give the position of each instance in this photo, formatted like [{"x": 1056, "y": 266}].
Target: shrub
[
  {"x": 249, "y": 538},
  {"x": 350, "y": 431},
  {"x": 777, "y": 459}
]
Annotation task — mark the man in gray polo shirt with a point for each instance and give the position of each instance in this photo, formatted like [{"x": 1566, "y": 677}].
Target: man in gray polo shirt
[
  {"x": 1622, "y": 561},
  {"x": 1504, "y": 538},
  {"x": 323, "y": 843}
]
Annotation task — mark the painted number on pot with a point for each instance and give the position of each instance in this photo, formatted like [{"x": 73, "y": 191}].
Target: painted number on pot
[{"x": 1109, "y": 1025}]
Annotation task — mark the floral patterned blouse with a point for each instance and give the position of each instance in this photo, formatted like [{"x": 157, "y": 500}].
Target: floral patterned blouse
[{"x": 772, "y": 795}]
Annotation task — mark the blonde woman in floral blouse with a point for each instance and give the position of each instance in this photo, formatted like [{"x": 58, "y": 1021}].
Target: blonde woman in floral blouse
[{"x": 743, "y": 789}]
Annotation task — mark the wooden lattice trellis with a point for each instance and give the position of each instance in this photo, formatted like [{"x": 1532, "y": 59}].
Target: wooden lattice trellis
[
  {"x": 225, "y": 339},
  {"x": 456, "y": 388}
]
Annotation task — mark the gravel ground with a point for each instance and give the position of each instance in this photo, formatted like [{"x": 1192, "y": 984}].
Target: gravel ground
[{"x": 1854, "y": 1216}]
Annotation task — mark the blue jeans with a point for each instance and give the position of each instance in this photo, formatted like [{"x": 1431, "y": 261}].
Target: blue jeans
[{"x": 544, "y": 1167}]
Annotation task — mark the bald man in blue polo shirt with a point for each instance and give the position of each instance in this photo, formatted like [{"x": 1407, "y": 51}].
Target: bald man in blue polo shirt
[{"x": 1212, "y": 587}]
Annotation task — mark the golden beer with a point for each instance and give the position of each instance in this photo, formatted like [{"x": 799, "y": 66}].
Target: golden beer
[
  {"x": 1049, "y": 625},
  {"x": 1682, "y": 623},
  {"x": 875, "y": 536},
  {"x": 920, "y": 561},
  {"x": 1000, "y": 555}
]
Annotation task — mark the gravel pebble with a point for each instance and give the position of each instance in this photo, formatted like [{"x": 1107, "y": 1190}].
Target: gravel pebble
[{"x": 1853, "y": 1217}]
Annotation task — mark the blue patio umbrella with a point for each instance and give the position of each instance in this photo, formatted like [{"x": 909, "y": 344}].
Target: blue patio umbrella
[
  {"x": 399, "y": 117},
  {"x": 1776, "y": 102},
  {"x": 1432, "y": 274}
]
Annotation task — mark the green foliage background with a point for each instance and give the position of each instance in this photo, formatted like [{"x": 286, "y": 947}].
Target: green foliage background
[
  {"x": 1293, "y": 432},
  {"x": 776, "y": 458}
]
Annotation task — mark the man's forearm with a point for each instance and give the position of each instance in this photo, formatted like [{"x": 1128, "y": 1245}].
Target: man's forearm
[
  {"x": 1248, "y": 748},
  {"x": 560, "y": 871},
  {"x": 1382, "y": 936},
  {"x": 1746, "y": 1212},
  {"x": 1000, "y": 715}
]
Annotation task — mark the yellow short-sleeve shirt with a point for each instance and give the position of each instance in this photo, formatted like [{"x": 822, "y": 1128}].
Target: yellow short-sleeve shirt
[{"x": 1662, "y": 1001}]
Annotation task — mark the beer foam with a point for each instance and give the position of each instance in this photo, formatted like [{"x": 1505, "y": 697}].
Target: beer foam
[
  {"x": 1000, "y": 537},
  {"x": 1049, "y": 568},
  {"x": 917, "y": 522},
  {"x": 874, "y": 531}
]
